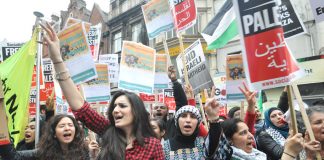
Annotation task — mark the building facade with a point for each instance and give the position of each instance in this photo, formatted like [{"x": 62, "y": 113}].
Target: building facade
[{"x": 125, "y": 23}]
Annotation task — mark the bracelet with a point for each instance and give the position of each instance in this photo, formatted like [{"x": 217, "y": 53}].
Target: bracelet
[
  {"x": 58, "y": 62},
  {"x": 58, "y": 76},
  {"x": 63, "y": 79},
  {"x": 289, "y": 155}
]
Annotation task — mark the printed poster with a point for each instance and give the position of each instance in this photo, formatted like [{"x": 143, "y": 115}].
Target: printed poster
[
  {"x": 8, "y": 49},
  {"x": 76, "y": 53},
  {"x": 72, "y": 21},
  {"x": 94, "y": 36},
  {"x": 267, "y": 59},
  {"x": 161, "y": 80},
  {"x": 220, "y": 87},
  {"x": 113, "y": 66},
  {"x": 235, "y": 76},
  {"x": 198, "y": 73},
  {"x": 157, "y": 17},
  {"x": 318, "y": 10},
  {"x": 290, "y": 21},
  {"x": 184, "y": 13},
  {"x": 169, "y": 100},
  {"x": 137, "y": 67},
  {"x": 98, "y": 90}
]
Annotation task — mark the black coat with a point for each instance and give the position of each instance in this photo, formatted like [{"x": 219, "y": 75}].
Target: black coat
[{"x": 269, "y": 146}]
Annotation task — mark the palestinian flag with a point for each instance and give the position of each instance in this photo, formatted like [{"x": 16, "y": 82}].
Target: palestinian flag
[{"x": 222, "y": 28}]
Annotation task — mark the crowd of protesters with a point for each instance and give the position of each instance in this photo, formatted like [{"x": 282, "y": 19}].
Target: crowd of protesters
[{"x": 130, "y": 132}]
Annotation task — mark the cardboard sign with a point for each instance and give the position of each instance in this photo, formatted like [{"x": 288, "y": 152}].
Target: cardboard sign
[
  {"x": 267, "y": 59},
  {"x": 157, "y": 17},
  {"x": 291, "y": 23},
  {"x": 198, "y": 73},
  {"x": 169, "y": 99},
  {"x": 318, "y": 10},
  {"x": 184, "y": 13}
]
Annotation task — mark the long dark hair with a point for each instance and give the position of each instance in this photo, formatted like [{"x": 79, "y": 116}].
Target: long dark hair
[
  {"x": 114, "y": 139},
  {"x": 49, "y": 147}
]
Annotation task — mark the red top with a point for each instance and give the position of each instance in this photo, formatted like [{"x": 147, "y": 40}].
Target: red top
[{"x": 151, "y": 150}]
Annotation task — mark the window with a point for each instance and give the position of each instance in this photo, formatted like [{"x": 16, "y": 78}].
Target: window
[
  {"x": 117, "y": 42},
  {"x": 136, "y": 32},
  {"x": 171, "y": 34}
]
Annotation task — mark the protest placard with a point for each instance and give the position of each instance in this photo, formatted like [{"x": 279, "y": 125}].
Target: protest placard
[
  {"x": 98, "y": 90},
  {"x": 94, "y": 36},
  {"x": 318, "y": 10},
  {"x": 137, "y": 67},
  {"x": 198, "y": 72},
  {"x": 113, "y": 66},
  {"x": 157, "y": 17},
  {"x": 184, "y": 14},
  {"x": 76, "y": 53},
  {"x": 4, "y": 132},
  {"x": 161, "y": 80},
  {"x": 267, "y": 60},
  {"x": 235, "y": 76},
  {"x": 220, "y": 87},
  {"x": 291, "y": 23}
]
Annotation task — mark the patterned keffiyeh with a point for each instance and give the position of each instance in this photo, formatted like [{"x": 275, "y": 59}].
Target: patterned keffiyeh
[
  {"x": 276, "y": 136},
  {"x": 239, "y": 154}
]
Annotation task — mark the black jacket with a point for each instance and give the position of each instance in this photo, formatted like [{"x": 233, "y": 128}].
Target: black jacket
[
  {"x": 269, "y": 146},
  {"x": 181, "y": 100}
]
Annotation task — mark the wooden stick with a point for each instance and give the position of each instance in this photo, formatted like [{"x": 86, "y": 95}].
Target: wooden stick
[
  {"x": 242, "y": 111},
  {"x": 166, "y": 50},
  {"x": 203, "y": 112},
  {"x": 293, "y": 120},
  {"x": 305, "y": 117},
  {"x": 185, "y": 71}
]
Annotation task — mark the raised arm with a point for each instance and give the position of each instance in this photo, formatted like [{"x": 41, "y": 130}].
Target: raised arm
[
  {"x": 68, "y": 87},
  {"x": 250, "y": 112},
  {"x": 216, "y": 145},
  {"x": 178, "y": 92}
]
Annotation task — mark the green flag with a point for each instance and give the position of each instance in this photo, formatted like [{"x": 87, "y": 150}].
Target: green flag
[{"x": 16, "y": 75}]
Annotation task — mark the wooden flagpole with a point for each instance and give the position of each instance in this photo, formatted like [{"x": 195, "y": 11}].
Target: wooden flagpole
[
  {"x": 293, "y": 120},
  {"x": 185, "y": 71},
  {"x": 202, "y": 112},
  {"x": 304, "y": 115}
]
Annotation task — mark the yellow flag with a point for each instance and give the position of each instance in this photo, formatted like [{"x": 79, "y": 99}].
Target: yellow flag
[{"x": 16, "y": 74}]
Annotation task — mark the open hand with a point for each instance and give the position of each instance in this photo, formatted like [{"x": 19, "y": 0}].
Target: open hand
[{"x": 51, "y": 40}]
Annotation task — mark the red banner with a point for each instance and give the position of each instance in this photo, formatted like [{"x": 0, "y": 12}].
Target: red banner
[
  {"x": 184, "y": 13},
  {"x": 267, "y": 59},
  {"x": 41, "y": 78}
]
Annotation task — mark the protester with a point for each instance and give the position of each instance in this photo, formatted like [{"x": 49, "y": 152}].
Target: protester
[
  {"x": 181, "y": 98},
  {"x": 158, "y": 126},
  {"x": 259, "y": 122},
  {"x": 62, "y": 139},
  {"x": 29, "y": 141},
  {"x": 241, "y": 140},
  {"x": 316, "y": 118},
  {"x": 186, "y": 144},
  {"x": 234, "y": 112},
  {"x": 127, "y": 134},
  {"x": 271, "y": 140}
]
